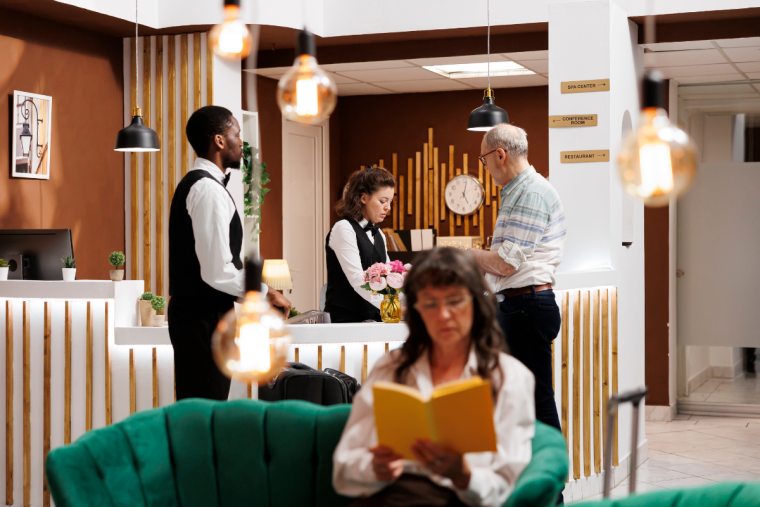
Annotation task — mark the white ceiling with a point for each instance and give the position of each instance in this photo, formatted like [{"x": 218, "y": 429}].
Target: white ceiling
[{"x": 408, "y": 76}]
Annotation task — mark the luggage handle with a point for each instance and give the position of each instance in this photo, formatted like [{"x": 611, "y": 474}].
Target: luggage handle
[{"x": 634, "y": 396}]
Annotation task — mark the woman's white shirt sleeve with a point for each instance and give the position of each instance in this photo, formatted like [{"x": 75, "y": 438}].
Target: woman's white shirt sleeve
[{"x": 343, "y": 243}]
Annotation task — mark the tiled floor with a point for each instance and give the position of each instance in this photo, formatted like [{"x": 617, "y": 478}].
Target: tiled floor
[
  {"x": 697, "y": 450},
  {"x": 744, "y": 390}
]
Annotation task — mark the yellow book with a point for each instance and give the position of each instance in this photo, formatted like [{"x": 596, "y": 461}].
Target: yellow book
[{"x": 458, "y": 416}]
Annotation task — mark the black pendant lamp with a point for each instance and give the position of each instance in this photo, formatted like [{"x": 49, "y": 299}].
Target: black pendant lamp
[
  {"x": 137, "y": 137},
  {"x": 489, "y": 114}
]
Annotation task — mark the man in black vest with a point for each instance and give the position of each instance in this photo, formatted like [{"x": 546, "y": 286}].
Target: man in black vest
[{"x": 205, "y": 240}]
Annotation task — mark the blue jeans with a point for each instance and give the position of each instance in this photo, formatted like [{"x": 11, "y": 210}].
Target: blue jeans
[{"x": 530, "y": 323}]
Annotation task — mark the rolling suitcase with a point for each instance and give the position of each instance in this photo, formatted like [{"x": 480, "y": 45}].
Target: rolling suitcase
[
  {"x": 301, "y": 382},
  {"x": 635, "y": 397},
  {"x": 351, "y": 383}
]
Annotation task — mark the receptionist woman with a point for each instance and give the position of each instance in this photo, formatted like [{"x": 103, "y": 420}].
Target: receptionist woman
[{"x": 355, "y": 243}]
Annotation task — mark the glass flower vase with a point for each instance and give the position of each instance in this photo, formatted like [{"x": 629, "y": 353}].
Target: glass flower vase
[{"x": 390, "y": 309}]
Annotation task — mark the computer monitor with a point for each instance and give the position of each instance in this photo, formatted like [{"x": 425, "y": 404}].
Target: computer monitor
[{"x": 38, "y": 250}]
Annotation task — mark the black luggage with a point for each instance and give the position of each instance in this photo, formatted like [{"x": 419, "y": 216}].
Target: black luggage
[
  {"x": 351, "y": 383},
  {"x": 302, "y": 382}
]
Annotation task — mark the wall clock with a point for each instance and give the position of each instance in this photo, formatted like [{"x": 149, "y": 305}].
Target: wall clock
[{"x": 464, "y": 194}]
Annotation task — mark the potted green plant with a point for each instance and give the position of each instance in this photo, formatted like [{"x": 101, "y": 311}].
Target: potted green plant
[
  {"x": 158, "y": 304},
  {"x": 3, "y": 269},
  {"x": 146, "y": 312},
  {"x": 117, "y": 259},
  {"x": 69, "y": 268}
]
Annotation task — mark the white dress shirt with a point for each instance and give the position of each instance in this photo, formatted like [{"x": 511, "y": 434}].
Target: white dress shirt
[
  {"x": 211, "y": 209},
  {"x": 493, "y": 475},
  {"x": 343, "y": 242}
]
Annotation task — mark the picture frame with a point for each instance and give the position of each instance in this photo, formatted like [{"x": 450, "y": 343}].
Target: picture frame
[{"x": 31, "y": 130}]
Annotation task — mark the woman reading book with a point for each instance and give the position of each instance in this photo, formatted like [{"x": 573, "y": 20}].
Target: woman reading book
[
  {"x": 355, "y": 243},
  {"x": 453, "y": 336}
]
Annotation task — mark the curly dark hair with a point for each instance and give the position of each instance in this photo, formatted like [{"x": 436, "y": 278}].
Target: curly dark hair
[
  {"x": 445, "y": 267},
  {"x": 367, "y": 181},
  {"x": 204, "y": 124}
]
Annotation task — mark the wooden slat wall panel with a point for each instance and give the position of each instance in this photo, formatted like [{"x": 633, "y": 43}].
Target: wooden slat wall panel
[
  {"x": 425, "y": 189},
  {"x": 67, "y": 375},
  {"x": 155, "y": 379},
  {"x": 465, "y": 170},
  {"x": 160, "y": 166},
  {"x": 595, "y": 384},
  {"x": 417, "y": 189},
  {"x": 401, "y": 203},
  {"x": 431, "y": 148},
  {"x": 171, "y": 111},
  {"x": 451, "y": 177},
  {"x": 480, "y": 211},
  {"x": 577, "y": 385},
  {"x": 27, "y": 403},
  {"x": 196, "y": 71},
  {"x": 183, "y": 101},
  {"x": 319, "y": 357},
  {"x": 565, "y": 363},
  {"x": 132, "y": 393},
  {"x": 459, "y": 217},
  {"x": 614, "y": 353},
  {"x": 146, "y": 164},
  {"x": 396, "y": 191},
  {"x": 88, "y": 371},
  {"x": 342, "y": 365},
  {"x": 443, "y": 192},
  {"x": 410, "y": 183},
  {"x": 46, "y": 399},
  {"x": 586, "y": 386},
  {"x": 605, "y": 355},
  {"x": 436, "y": 209},
  {"x": 209, "y": 73},
  {"x": 364, "y": 365},
  {"x": 8, "y": 402},
  {"x": 430, "y": 198},
  {"x": 134, "y": 209},
  {"x": 107, "y": 362}
]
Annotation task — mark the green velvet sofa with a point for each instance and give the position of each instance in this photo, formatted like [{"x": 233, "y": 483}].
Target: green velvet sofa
[
  {"x": 243, "y": 452},
  {"x": 727, "y": 494}
]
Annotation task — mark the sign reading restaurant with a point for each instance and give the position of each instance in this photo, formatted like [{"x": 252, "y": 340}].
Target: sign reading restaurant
[{"x": 574, "y": 157}]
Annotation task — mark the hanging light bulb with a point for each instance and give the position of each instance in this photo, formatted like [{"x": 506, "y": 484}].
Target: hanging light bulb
[
  {"x": 231, "y": 39},
  {"x": 657, "y": 161},
  {"x": 306, "y": 94},
  {"x": 252, "y": 344}
]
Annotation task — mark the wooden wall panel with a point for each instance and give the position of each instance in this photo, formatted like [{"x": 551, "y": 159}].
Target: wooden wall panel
[
  {"x": 577, "y": 385},
  {"x": 586, "y": 386},
  {"x": 67, "y": 375},
  {"x": 395, "y": 191},
  {"x": 132, "y": 392},
  {"x": 160, "y": 166},
  {"x": 209, "y": 73},
  {"x": 417, "y": 189},
  {"x": 401, "y": 203},
  {"x": 146, "y": 164},
  {"x": 410, "y": 184},
  {"x": 27, "y": 402},
  {"x": 46, "y": 398},
  {"x": 436, "y": 209},
  {"x": 605, "y": 356},
  {"x": 595, "y": 384},
  {"x": 171, "y": 83},
  {"x": 565, "y": 365},
  {"x": 8, "y": 402},
  {"x": 88, "y": 370},
  {"x": 197, "y": 91},
  {"x": 133, "y": 206},
  {"x": 425, "y": 189},
  {"x": 183, "y": 101},
  {"x": 155, "y": 377},
  {"x": 107, "y": 362},
  {"x": 614, "y": 353}
]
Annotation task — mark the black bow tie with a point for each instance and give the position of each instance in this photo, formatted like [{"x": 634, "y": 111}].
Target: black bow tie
[
  {"x": 226, "y": 179},
  {"x": 371, "y": 227}
]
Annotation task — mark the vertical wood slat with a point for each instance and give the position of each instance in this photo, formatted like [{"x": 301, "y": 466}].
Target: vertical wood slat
[
  {"x": 396, "y": 191},
  {"x": 27, "y": 401},
  {"x": 134, "y": 209},
  {"x": 146, "y": 165},
  {"x": 132, "y": 394},
  {"x": 451, "y": 177},
  {"x": 488, "y": 188},
  {"x": 495, "y": 215},
  {"x": 171, "y": 85},
  {"x": 401, "y": 203},
  {"x": 595, "y": 384},
  {"x": 46, "y": 400},
  {"x": 605, "y": 356},
  {"x": 364, "y": 365},
  {"x": 459, "y": 217},
  {"x": 249, "y": 390},
  {"x": 183, "y": 102},
  {"x": 342, "y": 365},
  {"x": 410, "y": 183},
  {"x": 296, "y": 355},
  {"x": 436, "y": 209},
  {"x": 586, "y": 386},
  {"x": 430, "y": 198},
  {"x": 88, "y": 371},
  {"x": 425, "y": 216},
  {"x": 160, "y": 166},
  {"x": 443, "y": 192},
  {"x": 430, "y": 147},
  {"x": 480, "y": 211},
  {"x": 565, "y": 379},
  {"x": 387, "y": 347},
  {"x": 209, "y": 73},
  {"x": 577, "y": 385},
  {"x": 197, "y": 71},
  {"x": 319, "y": 357},
  {"x": 8, "y": 402},
  {"x": 466, "y": 170},
  {"x": 614, "y": 353},
  {"x": 107, "y": 348},
  {"x": 67, "y": 375},
  {"x": 417, "y": 189},
  {"x": 155, "y": 378}
]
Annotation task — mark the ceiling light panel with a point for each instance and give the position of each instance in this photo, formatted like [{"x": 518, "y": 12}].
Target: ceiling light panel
[{"x": 474, "y": 70}]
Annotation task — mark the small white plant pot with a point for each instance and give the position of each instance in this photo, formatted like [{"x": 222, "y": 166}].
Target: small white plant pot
[
  {"x": 146, "y": 312},
  {"x": 4, "y": 273},
  {"x": 69, "y": 274},
  {"x": 117, "y": 275},
  {"x": 157, "y": 320}
]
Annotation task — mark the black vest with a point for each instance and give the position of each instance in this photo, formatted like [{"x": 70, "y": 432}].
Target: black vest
[
  {"x": 184, "y": 268},
  {"x": 342, "y": 299}
]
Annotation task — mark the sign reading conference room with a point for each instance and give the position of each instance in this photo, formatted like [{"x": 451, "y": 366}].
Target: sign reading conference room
[
  {"x": 576, "y": 157},
  {"x": 591, "y": 85},
  {"x": 573, "y": 120}
]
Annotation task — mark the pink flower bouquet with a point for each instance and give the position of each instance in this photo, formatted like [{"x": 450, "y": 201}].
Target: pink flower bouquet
[{"x": 386, "y": 278}]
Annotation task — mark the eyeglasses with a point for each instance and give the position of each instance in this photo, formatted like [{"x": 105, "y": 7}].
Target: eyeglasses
[
  {"x": 432, "y": 306},
  {"x": 482, "y": 158}
]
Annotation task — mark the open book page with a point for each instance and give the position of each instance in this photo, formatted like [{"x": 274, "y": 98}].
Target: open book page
[{"x": 401, "y": 417}]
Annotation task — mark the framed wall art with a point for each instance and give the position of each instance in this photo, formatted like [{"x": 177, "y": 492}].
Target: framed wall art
[{"x": 31, "y": 135}]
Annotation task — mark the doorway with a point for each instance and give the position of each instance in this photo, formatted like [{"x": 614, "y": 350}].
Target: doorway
[{"x": 305, "y": 205}]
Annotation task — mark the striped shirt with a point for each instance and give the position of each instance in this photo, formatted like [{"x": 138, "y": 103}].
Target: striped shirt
[{"x": 529, "y": 233}]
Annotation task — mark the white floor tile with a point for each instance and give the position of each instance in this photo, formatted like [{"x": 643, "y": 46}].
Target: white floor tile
[
  {"x": 744, "y": 463},
  {"x": 711, "y": 455},
  {"x": 684, "y": 482}
]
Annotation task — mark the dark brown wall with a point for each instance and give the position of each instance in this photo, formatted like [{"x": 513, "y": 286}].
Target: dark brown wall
[
  {"x": 373, "y": 127},
  {"x": 82, "y": 71}
]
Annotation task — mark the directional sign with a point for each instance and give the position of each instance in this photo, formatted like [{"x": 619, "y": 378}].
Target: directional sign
[
  {"x": 593, "y": 85},
  {"x": 573, "y": 120},
  {"x": 575, "y": 157}
]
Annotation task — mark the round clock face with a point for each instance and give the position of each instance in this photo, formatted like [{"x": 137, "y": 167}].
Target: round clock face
[{"x": 464, "y": 194}]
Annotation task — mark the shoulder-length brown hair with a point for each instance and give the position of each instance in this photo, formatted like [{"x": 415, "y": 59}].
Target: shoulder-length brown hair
[
  {"x": 367, "y": 181},
  {"x": 445, "y": 267}
]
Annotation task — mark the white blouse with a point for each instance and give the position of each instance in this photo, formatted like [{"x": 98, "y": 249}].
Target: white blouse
[
  {"x": 343, "y": 242},
  {"x": 493, "y": 474}
]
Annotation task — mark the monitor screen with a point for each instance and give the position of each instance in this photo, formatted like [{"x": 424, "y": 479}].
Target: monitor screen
[{"x": 40, "y": 249}]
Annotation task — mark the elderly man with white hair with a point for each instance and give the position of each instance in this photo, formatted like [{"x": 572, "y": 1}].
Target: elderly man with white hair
[{"x": 528, "y": 240}]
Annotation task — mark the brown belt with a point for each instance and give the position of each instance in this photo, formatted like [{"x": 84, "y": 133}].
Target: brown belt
[{"x": 510, "y": 293}]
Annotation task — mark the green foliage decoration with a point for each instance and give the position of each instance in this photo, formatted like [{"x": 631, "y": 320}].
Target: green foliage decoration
[
  {"x": 158, "y": 303},
  {"x": 3, "y": 263},
  {"x": 293, "y": 312},
  {"x": 147, "y": 296},
  {"x": 253, "y": 196},
  {"x": 117, "y": 259},
  {"x": 69, "y": 262}
]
